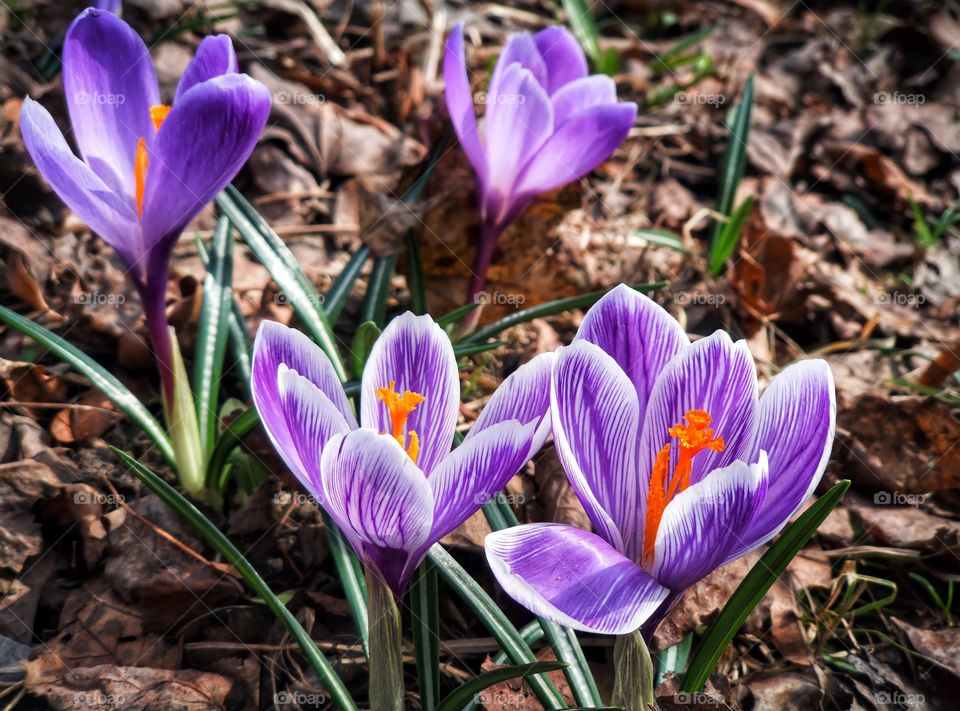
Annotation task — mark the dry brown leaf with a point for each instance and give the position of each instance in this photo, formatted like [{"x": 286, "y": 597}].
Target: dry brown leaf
[
  {"x": 133, "y": 689},
  {"x": 94, "y": 415},
  {"x": 943, "y": 645}
]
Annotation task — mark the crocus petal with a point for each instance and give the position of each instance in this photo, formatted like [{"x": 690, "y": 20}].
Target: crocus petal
[
  {"x": 206, "y": 138},
  {"x": 563, "y": 56},
  {"x": 581, "y": 94},
  {"x": 713, "y": 374},
  {"x": 77, "y": 185},
  {"x": 520, "y": 49},
  {"x": 518, "y": 121},
  {"x": 214, "y": 57},
  {"x": 796, "y": 421},
  {"x": 415, "y": 354},
  {"x": 595, "y": 424},
  {"x": 524, "y": 397},
  {"x": 460, "y": 102},
  {"x": 475, "y": 471},
  {"x": 110, "y": 85},
  {"x": 311, "y": 420},
  {"x": 572, "y": 577},
  {"x": 584, "y": 141},
  {"x": 277, "y": 346},
  {"x": 380, "y": 499},
  {"x": 636, "y": 332},
  {"x": 704, "y": 523}
]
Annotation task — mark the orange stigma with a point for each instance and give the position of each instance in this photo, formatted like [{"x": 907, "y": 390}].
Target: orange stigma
[
  {"x": 694, "y": 437},
  {"x": 400, "y": 406},
  {"x": 157, "y": 114},
  {"x": 140, "y": 164}
]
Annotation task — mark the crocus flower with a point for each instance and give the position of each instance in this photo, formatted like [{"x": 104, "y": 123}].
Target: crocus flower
[
  {"x": 546, "y": 123},
  {"x": 392, "y": 483},
  {"x": 147, "y": 169},
  {"x": 679, "y": 466}
]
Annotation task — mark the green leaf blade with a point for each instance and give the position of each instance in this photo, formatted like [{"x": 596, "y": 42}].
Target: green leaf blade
[
  {"x": 213, "y": 332},
  {"x": 219, "y": 542},
  {"x": 755, "y": 585}
]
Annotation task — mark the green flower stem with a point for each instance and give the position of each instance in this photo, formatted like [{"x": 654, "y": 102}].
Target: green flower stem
[{"x": 386, "y": 640}]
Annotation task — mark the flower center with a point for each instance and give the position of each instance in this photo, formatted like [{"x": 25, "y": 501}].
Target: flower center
[
  {"x": 694, "y": 437},
  {"x": 140, "y": 162},
  {"x": 400, "y": 406}
]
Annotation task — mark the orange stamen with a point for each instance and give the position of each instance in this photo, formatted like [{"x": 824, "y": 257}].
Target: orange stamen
[
  {"x": 694, "y": 437},
  {"x": 140, "y": 164},
  {"x": 656, "y": 501},
  {"x": 400, "y": 406},
  {"x": 158, "y": 114}
]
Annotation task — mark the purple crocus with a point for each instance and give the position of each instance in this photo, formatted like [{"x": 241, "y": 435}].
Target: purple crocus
[
  {"x": 546, "y": 123},
  {"x": 147, "y": 169},
  {"x": 392, "y": 483},
  {"x": 679, "y": 465}
]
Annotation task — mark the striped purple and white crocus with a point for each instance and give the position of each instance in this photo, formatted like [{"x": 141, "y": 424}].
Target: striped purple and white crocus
[
  {"x": 391, "y": 481},
  {"x": 546, "y": 123},
  {"x": 680, "y": 466}
]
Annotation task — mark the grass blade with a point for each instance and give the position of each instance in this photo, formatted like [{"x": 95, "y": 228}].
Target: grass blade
[
  {"x": 456, "y": 316},
  {"x": 564, "y": 641},
  {"x": 212, "y": 338},
  {"x": 734, "y": 157},
  {"x": 236, "y": 328},
  {"x": 496, "y": 623},
  {"x": 415, "y": 279},
  {"x": 673, "y": 659},
  {"x": 367, "y": 335},
  {"x": 291, "y": 279},
  {"x": 662, "y": 238},
  {"x": 424, "y": 606},
  {"x": 229, "y": 439},
  {"x": 101, "y": 379},
  {"x": 550, "y": 308},
  {"x": 343, "y": 284},
  {"x": 755, "y": 585},
  {"x": 378, "y": 290},
  {"x": 466, "y": 692},
  {"x": 722, "y": 247},
  {"x": 240, "y": 344},
  {"x": 584, "y": 27},
  {"x": 351, "y": 578},
  {"x": 219, "y": 542}
]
